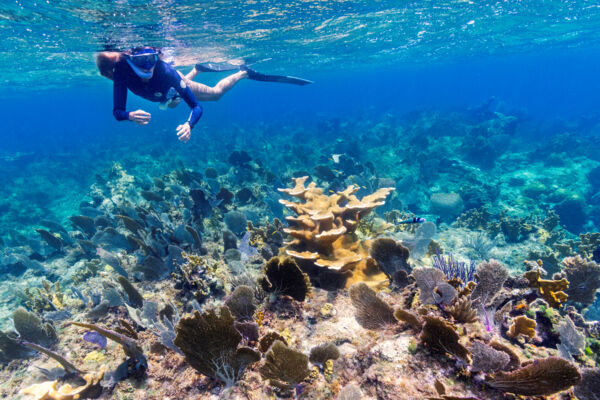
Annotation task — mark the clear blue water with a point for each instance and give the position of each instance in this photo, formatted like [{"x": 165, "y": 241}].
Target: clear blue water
[
  {"x": 539, "y": 59},
  {"x": 395, "y": 86}
]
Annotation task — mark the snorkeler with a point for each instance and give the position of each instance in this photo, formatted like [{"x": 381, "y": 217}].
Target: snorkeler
[{"x": 142, "y": 71}]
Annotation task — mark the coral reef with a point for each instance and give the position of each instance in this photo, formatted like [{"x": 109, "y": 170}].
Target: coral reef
[
  {"x": 411, "y": 316},
  {"x": 323, "y": 244}
]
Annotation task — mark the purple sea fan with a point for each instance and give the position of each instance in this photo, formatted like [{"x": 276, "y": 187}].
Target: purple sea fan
[
  {"x": 95, "y": 338},
  {"x": 453, "y": 268}
]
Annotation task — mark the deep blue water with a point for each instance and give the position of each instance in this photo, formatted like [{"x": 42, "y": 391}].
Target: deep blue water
[{"x": 545, "y": 87}]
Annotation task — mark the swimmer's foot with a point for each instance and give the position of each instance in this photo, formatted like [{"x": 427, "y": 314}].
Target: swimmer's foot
[{"x": 252, "y": 74}]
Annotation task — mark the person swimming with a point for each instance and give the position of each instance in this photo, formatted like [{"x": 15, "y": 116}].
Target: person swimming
[{"x": 142, "y": 71}]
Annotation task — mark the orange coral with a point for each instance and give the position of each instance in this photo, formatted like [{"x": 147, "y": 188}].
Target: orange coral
[
  {"x": 522, "y": 326},
  {"x": 550, "y": 290},
  {"x": 50, "y": 390},
  {"x": 323, "y": 243}
]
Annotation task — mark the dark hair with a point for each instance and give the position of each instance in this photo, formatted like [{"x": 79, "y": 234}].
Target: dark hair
[{"x": 106, "y": 61}]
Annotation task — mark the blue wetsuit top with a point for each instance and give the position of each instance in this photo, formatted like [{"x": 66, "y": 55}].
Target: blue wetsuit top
[{"x": 165, "y": 81}]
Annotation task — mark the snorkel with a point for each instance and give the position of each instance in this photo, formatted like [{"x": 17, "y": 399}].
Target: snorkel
[{"x": 142, "y": 61}]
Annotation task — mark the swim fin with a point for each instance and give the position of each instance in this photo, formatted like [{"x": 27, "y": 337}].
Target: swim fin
[
  {"x": 252, "y": 74},
  {"x": 257, "y": 76}
]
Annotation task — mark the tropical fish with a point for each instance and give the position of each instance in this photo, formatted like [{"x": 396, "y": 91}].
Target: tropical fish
[
  {"x": 50, "y": 238},
  {"x": 413, "y": 220},
  {"x": 110, "y": 259}
]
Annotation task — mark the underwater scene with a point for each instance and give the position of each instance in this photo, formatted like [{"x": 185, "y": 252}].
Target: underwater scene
[{"x": 299, "y": 200}]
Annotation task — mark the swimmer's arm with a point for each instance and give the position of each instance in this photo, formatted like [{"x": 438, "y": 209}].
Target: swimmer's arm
[
  {"x": 119, "y": 98},
  {"x": 189, "y": 98}
]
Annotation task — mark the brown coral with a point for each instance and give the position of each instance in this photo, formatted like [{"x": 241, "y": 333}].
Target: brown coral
[
  {"x": 323, "y": 243},
  {"x": 439, "y": 335},
  {"x": 551, "y": 290},
  {"x": 522, "y": 325},
  {"x": 462, "y": 311},
  {"x": 409, "y": 318},
  {"x": 283, "y": 277},
  {"x": 210, "y": 341},
  {"x": 265, "y": 342},
  {"x": 540, "y": 378},
  {"x": 284, "y": 367},
  {"x": 371, "y": 312}
]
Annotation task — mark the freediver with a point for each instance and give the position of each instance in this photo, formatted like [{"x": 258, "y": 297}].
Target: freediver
[{"x": 142, "y": 71}]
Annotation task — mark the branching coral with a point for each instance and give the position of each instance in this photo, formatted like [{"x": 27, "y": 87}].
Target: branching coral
[
  {"x": 522, "y": 325},
  {"x": 210, "y": 341},
  {"x": 540, "y": 378},
  {"x": 371, "y": 312},
  {"x": 551, "y": 290},
  {"x": 323, "y": 243}
]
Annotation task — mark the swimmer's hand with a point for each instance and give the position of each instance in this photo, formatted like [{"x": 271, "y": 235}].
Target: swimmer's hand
[
  {"x": 140, "y": 117},
  {"x": 184, "y": 132}
]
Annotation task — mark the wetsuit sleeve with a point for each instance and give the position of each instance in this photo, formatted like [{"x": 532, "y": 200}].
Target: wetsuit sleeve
[
  {"x": 187, "y": 95},
  {"x": 119, "y": 97}
]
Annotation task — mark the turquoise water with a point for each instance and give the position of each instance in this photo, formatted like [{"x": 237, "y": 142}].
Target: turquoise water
[{"x": 492, "y": 107}]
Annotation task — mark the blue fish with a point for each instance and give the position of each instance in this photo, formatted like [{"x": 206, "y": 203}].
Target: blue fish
[{"x": 414, "y": 220}]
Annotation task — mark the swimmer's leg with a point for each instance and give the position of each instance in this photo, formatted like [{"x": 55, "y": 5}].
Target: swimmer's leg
[{"x": 207, "y": 93}]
